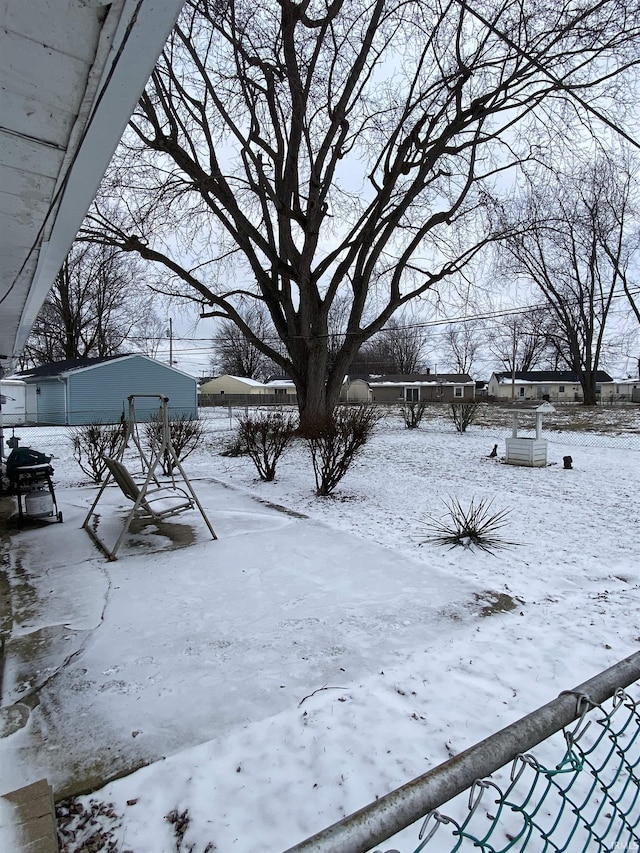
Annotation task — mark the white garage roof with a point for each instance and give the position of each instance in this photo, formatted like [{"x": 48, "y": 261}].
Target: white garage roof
[{"x": 71, "y": 72}]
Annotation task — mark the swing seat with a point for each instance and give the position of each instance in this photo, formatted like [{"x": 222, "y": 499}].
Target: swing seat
[
  {"x": 158, "y": 503},
  {"x": 154, "y": 504},
  {"x": 151, "y": 500}
]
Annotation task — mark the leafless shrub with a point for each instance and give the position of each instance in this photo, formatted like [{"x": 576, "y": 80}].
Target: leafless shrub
[
  {"x": 92, "y": 442},
  {"x": 266, "y": 436},
  {"x": 475, "y": 526},
  {"x": 235, "y": 447},
  {"x": 463, "y": 414},
  {"x": 186, "y": 433},
  {"x": 336, "y": 443},
  {"x": 412, "y": 413}
]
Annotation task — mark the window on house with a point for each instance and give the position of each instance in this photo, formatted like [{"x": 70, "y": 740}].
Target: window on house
[
  {"x": 458, "y": 391},
  {"x": 222, "y": 392},
  {"x": 521, "y": 392},
  {"x": 560, "y": 389},
  {"x": 279, "y": 391},
  {"x": 411, "y": 395}
]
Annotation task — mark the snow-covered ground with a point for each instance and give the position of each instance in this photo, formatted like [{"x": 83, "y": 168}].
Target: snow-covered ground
[{"x": 300, "y": 667}]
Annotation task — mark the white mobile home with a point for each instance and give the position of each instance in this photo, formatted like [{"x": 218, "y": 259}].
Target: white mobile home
[{"x": 13, "y": 402}]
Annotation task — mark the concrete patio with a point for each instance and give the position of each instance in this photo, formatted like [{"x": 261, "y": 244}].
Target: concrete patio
[{"x": 109, "y": 666}]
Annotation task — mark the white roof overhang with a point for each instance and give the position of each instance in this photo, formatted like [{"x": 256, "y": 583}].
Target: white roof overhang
[{"x": 72, "y": 71}]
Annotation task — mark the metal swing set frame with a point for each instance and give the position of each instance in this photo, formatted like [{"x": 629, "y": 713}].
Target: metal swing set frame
[{"x": 152, "y": 500}]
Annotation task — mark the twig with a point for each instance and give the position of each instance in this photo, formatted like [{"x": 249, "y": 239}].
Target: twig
[{"x": 318, "y": 691}]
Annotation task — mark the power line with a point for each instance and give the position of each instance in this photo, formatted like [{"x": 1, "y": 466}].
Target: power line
[{"x": 425, "y": 324}]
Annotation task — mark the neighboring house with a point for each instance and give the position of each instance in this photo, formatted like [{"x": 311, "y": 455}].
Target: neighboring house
[
  {"x": 418, "y": 387},
  {"x": 88, "y": 390},
  {"x": 241, "y": 391},
  {"x": 558, "y": 386},
  {"x": 282, "y": 388},
  {"x": 231, "y": 385},
  {"x": 621, "y": 390}
]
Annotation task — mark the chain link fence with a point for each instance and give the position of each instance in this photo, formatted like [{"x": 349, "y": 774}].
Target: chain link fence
[
  {"x": 588, "y": 800},
  {"x": 580, "y": 792},
  {"x": 605, "y": 427},
  {"x": 621, "y": 441}
]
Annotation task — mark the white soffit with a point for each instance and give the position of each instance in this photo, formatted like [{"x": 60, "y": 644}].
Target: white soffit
[{"x": 71, "y": 72}]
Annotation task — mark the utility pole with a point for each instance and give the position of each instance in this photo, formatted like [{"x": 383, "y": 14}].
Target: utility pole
[
  {"x": 514, "y": 353},
  {"x": 169, "y": 334}
]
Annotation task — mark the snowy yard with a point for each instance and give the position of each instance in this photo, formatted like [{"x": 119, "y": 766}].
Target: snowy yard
[{"x": 317, "y": 655}]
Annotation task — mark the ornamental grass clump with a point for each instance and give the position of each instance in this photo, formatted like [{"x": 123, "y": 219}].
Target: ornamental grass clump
[
  {"x": 266, "y": 436},
  {"x": 474, "y": 527}
]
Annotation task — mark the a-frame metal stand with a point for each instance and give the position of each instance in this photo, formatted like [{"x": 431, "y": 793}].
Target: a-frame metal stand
[{"x": 151, "y": 493}]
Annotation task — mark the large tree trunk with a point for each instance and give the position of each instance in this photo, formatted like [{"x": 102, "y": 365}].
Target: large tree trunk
[
  {"x": 318, "y": 384},
  {"x": 316, "y": 401},
  {"x": 588, "y": 381}
]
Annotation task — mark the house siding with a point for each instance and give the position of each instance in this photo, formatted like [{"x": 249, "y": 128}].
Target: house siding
[
  {"x": 434, "y": 393},
  {"x": 13, "y": 402},
  {"x": 557, "y": 387},
  {"x": 356, "y": 391},
  {"x": 101, "y": 392},
  {"x": 51, "y": 405},
  {"x": 229, "y": 385},
  {"x": 572, "y": 393}
]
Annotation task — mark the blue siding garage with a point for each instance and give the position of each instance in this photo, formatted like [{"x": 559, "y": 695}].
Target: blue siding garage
[{"x": 81, "y": 391}]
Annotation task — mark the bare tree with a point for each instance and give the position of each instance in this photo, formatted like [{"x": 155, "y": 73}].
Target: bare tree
[
  {"x": 150, "y": 334},
  {"x": 95, "y": 304},
  {"x": 374, "y": 358},
  {"x": 633, "y": 296},
  {"x": 521, "y": 342},
  {"x": 405, "y": 342},
  {"x": 398, "y": 349},
  {"x": 235, "y": 353},
  {"x": 462, "y": 344},
  {"x": 337, "y": 147},
  {"x": 624, "y": 214},
  {"x": 572, "y": 244}
]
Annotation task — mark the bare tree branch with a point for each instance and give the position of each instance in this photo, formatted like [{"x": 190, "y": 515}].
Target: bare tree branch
[{"x": 348, "y": 150}]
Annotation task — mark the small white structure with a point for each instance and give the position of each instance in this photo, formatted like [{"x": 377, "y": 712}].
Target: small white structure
[
  {"x": 355, "y": 391},
  {"x": 526, "y": 450},
  {"x": 13, "y": 396}
]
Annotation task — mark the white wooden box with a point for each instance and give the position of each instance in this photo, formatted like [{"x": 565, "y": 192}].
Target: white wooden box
[{"x": 526, "y": 451}]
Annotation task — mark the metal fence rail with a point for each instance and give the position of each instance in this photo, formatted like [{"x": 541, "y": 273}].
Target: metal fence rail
[
  {"x": 589, "y": 800},
  {"x": 606, "y": 809}
]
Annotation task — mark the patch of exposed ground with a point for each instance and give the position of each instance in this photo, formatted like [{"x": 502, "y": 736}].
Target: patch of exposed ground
[{"x": 496, "y": 602}]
